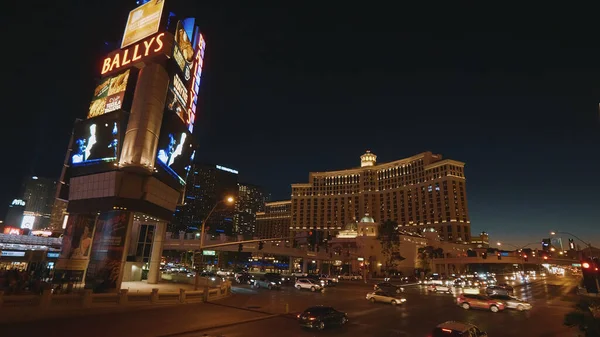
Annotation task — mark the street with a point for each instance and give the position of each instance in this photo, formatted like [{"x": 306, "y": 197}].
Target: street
[{"x": 416, "y": 317}]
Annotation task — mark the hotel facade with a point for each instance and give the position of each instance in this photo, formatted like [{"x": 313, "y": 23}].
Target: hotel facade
[{"x": 420, "y": 192}]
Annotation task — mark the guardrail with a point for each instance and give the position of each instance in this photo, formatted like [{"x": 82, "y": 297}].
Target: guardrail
[{"x": 87, "y": 299}]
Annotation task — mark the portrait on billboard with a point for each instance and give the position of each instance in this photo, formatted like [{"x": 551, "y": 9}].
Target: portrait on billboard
[
  {"x": 183, "y": 40},
  {"x": 107, "y": 251},
  {"x": 96, "y": 140},
  {"x": 175, "y": 148},
  {"x": 77, "y": 239},
  {"x": 109, "y": 94}
]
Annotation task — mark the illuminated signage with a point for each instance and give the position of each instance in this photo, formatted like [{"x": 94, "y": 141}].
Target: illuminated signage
[
  {"x": 12, "y": 231},
  {"x": 28, "y": 221},
  {"x": 142, "y": 22},
  {"x": 178, "y": 57},
  {"x": 65, "y": 219},
  {"x": 12, "y": 253},
  {"x": 226, "y": 169},
  {"x": 53, "y": 255},
  {"x": 180, "y": 88},
  {"x": 197, "y": 74},
  {"x": 18, "y": 202},
  {"x": 109, "y": 94},
  {"x": 133, "y": 54},
  {"x": 209, "y": 252}
]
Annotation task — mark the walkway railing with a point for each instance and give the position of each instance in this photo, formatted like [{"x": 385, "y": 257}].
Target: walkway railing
[{"x": 87, "y": 299}]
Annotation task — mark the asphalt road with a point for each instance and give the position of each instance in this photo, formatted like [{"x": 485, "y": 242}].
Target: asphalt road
[
  {"x": 260, "y": 312},
  {"x": 416, "y": 317}
]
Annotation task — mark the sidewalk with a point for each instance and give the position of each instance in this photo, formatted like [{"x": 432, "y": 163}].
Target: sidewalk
[{"x": 150, "y": 321}]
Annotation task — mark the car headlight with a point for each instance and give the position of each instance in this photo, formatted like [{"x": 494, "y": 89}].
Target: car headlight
[
  {"x": 403, "y": 300},
  {"x": 212, "y": 279},
  {"x": 273, "y": 283}
]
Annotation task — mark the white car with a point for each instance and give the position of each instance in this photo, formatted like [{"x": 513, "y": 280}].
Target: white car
[
  {"x": 438, "y": 288},
  {"x": 382, "y": 296},
  {"x": 305, "y": 283},
  {"x": 328, "y": 279}
]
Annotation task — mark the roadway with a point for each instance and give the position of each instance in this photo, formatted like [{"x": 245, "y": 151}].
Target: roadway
[
  {"x": 263, "y": 311},
  {"x": 416, "y": 317}
]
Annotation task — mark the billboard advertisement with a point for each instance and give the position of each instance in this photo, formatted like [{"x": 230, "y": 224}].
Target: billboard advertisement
[
  {"x": 177, "y": 98},
  {"x": 142, "y": 22},
  {"x": 77, "y": 239},
  {"x": 195, "y": 82},
  {"x": 175, "y": 149},
  {"x": 109, "y": 94},
  {"x": 97, "y": 141},
  {"x": 28, "y": 222},
  {"x": 108, "y": 248}
]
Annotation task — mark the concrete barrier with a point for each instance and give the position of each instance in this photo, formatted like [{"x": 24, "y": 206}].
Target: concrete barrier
[{"x": 87, "y": 299}]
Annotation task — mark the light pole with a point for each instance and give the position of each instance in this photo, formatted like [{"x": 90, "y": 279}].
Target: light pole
[
  {"x": 229, "y": 201},
  {"x": 518, "y": 249},
  {"x": 588, "y": 245}
]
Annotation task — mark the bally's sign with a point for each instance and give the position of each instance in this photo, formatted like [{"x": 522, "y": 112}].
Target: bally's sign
[{"x": 152, "y": 46}]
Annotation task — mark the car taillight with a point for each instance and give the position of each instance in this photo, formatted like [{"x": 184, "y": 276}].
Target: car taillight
[
  {"x": 298, "y": 316},
  {"x": 312, "y": 318}
]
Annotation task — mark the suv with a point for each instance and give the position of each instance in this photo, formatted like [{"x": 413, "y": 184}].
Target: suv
[
  {"x": 468, "y": 301},
  {"x": 269, "y": 281},
  {"x": 457, "y": 329},
  {"x": 388, "y": 287},
  {"x": 304, "y": 283}
]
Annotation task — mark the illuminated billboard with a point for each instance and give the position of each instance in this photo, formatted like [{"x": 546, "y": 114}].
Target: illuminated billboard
[
  {"x": 97, "y": 141},
  {"x": 28, "y": 222},
  {"x": 142, "y": 22},
  {"x": 177, "y": 98},
  {"x": 195, "y": 85},
  {"x": 175, "y": 149},
  {"x": 109, "y": 94}
]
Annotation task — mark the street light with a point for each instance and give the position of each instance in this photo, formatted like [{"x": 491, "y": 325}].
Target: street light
[
  {"x": 518, "y": 249},
  {"x": 589, "y": 245},
  {"x": 229, "y": 200}
]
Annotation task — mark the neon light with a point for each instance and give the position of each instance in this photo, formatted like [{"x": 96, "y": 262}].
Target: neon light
[
  {"x": 195, "y": 87},
  {"x": 134, "y": 53},
  {"x": 226, "y": 169}
]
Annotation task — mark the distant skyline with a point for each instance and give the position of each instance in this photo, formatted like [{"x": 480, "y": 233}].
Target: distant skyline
[{"x": 282, "y": 96}]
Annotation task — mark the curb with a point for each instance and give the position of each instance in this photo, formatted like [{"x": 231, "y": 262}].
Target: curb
[{"x": 217, "y": 326}]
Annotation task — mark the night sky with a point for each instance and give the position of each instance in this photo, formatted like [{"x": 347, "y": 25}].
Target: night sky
[{"x": 310, "y": 87}]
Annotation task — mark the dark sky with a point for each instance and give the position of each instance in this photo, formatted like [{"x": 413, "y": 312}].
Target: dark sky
[{"x": 309, "y": 87}]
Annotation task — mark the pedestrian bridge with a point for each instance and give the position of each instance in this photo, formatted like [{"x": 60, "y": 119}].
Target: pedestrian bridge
[{"x": 279, "y": 248}]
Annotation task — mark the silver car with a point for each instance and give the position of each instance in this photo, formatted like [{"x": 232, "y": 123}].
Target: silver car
[
  {"x": 512, "y": 302},
  {"x": 382, "y": 296}
]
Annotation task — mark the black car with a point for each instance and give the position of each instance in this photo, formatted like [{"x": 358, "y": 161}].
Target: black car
[
  {"x": 321, "y": 317},
  {"x": 388, "y": 287},
  {"x": 500, "y": 290}
]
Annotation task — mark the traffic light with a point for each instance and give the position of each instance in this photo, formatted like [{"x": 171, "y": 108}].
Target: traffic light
[
  {"x": 525, "y": 257},
  {"x": 240, "y": 247},
  {"x": 484, "y": 256},
  {"x": 260, "y": 245},
  {"x": 589, "y": 269},
  {"x": 312, "y": 237},
  {"x": 499, "y": 256}
]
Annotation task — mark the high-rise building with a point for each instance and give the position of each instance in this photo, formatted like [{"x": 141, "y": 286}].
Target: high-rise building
[
  {"x": 274, "y": 222},
  {"x": 206, "y": 186},
  {"x": 38, "y": 194},
  {"x": 251, "y": 200},
  {"x": 422, "y": 191},
  {"x": 14, "y": 216}
]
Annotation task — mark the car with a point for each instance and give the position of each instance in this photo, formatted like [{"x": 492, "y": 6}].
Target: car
[
  {"x": 388, "y": 287},
  {"x": 321, "y": 317},
  {"x": 244, "y": 278},
  {"x": 317, "y": 279},
  {"x": 468, "y": 301},
  {"x": 385, "y": 297},
  {"x": 439, "y": 288},
  {"x": 304, "y": 283},
  {"x": 457, "y": 329},
  {"x": 268, "y": 281},
  {"x": 501, "y": 289},
  {"x": 512, "y": 302},
  {"x": 330, "y": 280}
]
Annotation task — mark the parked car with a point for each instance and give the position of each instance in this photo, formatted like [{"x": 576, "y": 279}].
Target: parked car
[
  {"x": 321, "y": 317},
  {"x": 439, "y": 288},
  {"x": 388, "y": 287},
  {"x": 385, "y": 297},
  {"x": 468, "y": 301},
  {"x": 457, "y": 329},
  {"x": 304, "y": 283},
  {"x": 512, "y": 302},
  {"x": 503, "y": 289}
]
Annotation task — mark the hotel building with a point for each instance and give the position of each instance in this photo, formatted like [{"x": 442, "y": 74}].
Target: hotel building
[{"x": 422, "y": 191}]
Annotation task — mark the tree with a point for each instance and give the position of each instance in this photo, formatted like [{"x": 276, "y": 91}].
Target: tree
[
  {"x": 424, "y": 258},
  {"x": 390, "y": 244},
  {"x": 586, "y": 317}
]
